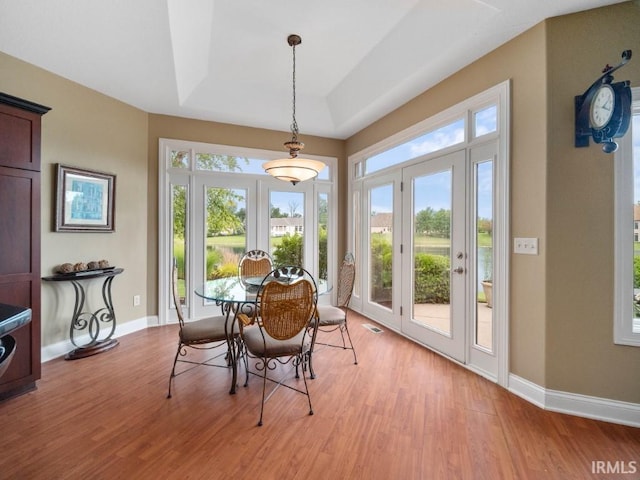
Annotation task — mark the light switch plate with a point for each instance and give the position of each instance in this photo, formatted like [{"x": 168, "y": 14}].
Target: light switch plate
[{"x": 527, "y": 246}]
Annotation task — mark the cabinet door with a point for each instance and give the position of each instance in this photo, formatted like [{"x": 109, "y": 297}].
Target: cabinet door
[
  {"x": 20, "y": 270},
  {"x": 19, "y": 138}
]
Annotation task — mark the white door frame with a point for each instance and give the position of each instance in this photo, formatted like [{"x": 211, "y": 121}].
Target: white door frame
[
  {"x": 390, "y": 317},
  {"x": 500, "y": 96},
  {"x": 452, "y": 343}
]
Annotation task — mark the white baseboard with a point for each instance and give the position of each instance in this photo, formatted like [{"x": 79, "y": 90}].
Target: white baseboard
[
  {"x": 603, "y": 409},
  {"x": 49, "y": 352},
  {"x": 530, "y": 391}
]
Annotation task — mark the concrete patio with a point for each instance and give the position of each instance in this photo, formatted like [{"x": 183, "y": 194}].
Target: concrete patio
[{"x": 437, "y": 317}]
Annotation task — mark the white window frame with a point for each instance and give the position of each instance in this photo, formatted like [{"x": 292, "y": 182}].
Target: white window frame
[
  {"x": 500, "y": 95},
  {"x": 624, "y": 322},
  {"x": 255, "y": 238}
]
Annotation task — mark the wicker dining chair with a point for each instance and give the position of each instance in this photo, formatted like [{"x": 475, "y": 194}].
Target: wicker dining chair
[
  {"x": 254, "y": 263},
  {"x": 281, "y": 333},
  {"x": 204, "y": 334},
  {"x": 332, "y": 318}
]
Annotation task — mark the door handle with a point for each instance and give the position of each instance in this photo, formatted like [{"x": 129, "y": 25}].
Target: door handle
[{"x": 459, "y": 270}]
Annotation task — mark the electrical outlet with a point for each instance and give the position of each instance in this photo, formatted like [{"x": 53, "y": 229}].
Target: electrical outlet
[
  {"x": 526, "y": 246},
  {"x": 136, "y": 300}
]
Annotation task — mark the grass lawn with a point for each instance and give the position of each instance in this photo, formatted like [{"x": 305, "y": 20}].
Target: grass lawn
[
  {"x": 484, "y": 240},
  {"x": 235, "y": 241},
  {"x": 227, "y": 241}
]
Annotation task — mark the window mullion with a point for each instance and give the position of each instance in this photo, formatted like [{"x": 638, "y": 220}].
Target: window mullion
[{"x": 626, "y": 295}]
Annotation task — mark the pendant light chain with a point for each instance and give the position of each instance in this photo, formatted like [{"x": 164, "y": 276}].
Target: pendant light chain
[
  {"x": 294, "y": 169},
  {"x": 294, "y": 124}
]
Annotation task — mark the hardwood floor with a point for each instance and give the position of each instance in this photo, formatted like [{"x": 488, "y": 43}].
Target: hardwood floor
[{"x": 402, "y": 413}]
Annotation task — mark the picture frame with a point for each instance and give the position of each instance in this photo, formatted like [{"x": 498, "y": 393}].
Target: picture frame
[{"x": 85, "y": 200}]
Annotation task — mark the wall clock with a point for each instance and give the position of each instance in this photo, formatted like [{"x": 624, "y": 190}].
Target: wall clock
[{"x": 603, "y": 112}]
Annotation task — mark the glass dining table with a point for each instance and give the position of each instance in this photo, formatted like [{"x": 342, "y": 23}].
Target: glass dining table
[{"x": 234, "y": 296}]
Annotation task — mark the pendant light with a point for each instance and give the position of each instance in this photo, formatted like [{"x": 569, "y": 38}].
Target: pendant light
[{"x": 294, "y": 169}]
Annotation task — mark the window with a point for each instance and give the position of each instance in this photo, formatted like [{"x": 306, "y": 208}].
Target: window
[
  {"x": 627, "y": 248},
  {"x": 217, "y": 203},
  {"x": 438, "y": 139},
  {"x": 485, "y": 121},
  {"x": 179, "y": 159},
  {"x": 287, "y": 216}
]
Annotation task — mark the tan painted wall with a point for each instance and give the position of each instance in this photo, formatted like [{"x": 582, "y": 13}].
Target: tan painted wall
[
  {"x": 581, "y": 356},
  {"x": 163, "y": 126},
  {"x": 88, "y": 130},
  {"x": 561, "y": 303},
  {"x": 523, "y": 62}
]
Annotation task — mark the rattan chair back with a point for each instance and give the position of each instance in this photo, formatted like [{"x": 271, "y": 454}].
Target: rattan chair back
[
  {"x": 254, "y": 263},
  {"x": 286, "y": 308},
  {"x": 345, "y": 281}
]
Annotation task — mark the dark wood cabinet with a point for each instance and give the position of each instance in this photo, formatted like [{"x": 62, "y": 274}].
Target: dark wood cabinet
[{"x": 20, "y": 234}]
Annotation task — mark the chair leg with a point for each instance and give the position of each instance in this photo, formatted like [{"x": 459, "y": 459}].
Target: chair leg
[
  {"x": 173, "y": 370},
  {"x": 306, "y": 363},
  {"x": 304, "y": 368},
  {"x": 314, "y": 336},
  {"x": 312, "y": 374},
  {"x": 229, "y": 359},
  {"x": 243, "y": 354},
  {"x": 355, "y": 359},
  {"x": 343, "y": 327},
  {"x": 304, "y": 378},
  {"x": 264, "y": 388}
]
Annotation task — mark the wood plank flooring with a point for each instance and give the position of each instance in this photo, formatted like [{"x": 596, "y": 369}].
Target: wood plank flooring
[{"x": 402, "y": 413}]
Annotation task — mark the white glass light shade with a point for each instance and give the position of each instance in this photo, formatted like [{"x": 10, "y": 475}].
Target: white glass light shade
[{"x": 293, "y": 170}]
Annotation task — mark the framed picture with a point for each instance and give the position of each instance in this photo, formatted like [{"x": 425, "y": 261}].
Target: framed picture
[{"x": 85, "y": 200}]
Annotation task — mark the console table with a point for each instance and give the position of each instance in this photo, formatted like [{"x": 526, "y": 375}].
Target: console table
[{"x": 90, "y": 324}]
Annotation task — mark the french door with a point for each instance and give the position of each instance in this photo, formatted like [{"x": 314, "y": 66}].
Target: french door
[
  {"x": 428, "y": 249},
  {"x": 434, "y": 253},
  {"x": 381, "y": 223},
  {"x": 211, "y": 195}
]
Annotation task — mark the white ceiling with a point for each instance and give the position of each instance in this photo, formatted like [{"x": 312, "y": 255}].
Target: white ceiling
[{"x": 229, "y": 61}]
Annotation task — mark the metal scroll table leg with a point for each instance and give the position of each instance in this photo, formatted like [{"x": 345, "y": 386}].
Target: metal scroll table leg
[
  {"x": 90, "y": 324},
  {"x": 231, "y": 330}
]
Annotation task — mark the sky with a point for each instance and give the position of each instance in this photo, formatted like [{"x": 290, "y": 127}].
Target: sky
[{"x": 435, "y": 190}]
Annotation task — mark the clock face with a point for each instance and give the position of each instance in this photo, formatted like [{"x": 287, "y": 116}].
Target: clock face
[{"x": 601, "y": 107}]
